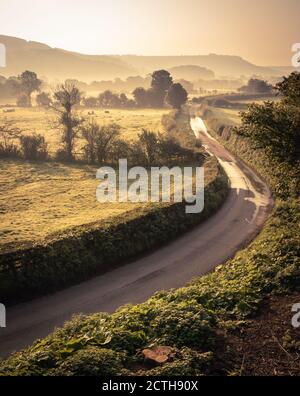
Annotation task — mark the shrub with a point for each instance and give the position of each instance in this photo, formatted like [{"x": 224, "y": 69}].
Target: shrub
[
  {"x": 61, "y": 155},
  {"x": 185, "y": 324},
  {"x": 33, "y": 147},
  {"x": 91, "y": 361},
  {"x": 9, "y": 136}
]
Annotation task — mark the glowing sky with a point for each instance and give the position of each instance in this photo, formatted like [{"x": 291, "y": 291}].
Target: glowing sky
[{"x": 261, "y": 31}]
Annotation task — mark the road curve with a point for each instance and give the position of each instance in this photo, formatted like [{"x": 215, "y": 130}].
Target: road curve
[{"x": 195, "y": 253}]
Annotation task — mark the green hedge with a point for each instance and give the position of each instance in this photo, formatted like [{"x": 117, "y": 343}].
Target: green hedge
[{"x": 84, "y": 251}]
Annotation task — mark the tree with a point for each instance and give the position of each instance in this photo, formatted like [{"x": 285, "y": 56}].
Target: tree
[
  {"x": 23, "y": 101},
  {"x": 149, "y": 143},
  {"x": 274, "y": 127},
  {"x": 68, "y": 96},
  {"x": 106, "y": 99},
  {"x": 290, "y": 89},
  {"x": 100, "y": 141},
  {"x": 160, "y": 84},
  {"x": 89, "y": 132},
  {"x": 105, "y": 140},
  {"x": 141, "y": 97},
  {"x": 29, "y": 83},
  {"x": 90, "y": 102},
  {"x": 176, "y": 96},
  {"x": 256, "y": 86},
  {"x": 43, "y": 99}
]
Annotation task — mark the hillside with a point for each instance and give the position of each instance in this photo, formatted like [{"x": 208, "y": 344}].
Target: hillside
[
  {"x": 58, "y": 63},
  {"x": 221, "y": 65},
  {"x": 191, "y": 73}
]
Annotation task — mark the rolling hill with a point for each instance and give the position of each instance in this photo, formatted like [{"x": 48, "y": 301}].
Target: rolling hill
[{"x": 55, "y": 63}]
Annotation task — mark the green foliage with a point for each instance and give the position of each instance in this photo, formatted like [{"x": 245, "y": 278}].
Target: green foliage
[
  {"x": 290, "y": 89},
  {"x": 184, "y": 323},
  {"x": 186, "y": 363},
  {"x": 274, "y": 127},
  {"x": 188, "y": 317}
]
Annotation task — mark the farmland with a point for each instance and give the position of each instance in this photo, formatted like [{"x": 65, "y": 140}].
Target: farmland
[{"x": 42, "y": 121}]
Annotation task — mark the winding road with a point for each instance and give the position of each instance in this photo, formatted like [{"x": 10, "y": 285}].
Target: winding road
[{"x": 195, "y": 253}]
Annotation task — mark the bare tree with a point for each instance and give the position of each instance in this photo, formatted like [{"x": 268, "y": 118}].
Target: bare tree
[{"x": 67, "y": 96}]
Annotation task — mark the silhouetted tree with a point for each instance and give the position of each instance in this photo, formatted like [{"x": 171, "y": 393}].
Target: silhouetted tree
[
  {"x": 43, "y": 99},
  {"x": 107, "y": 99},
  {"x": 176, "y": 96},
  {"x": 90, "y": 102},
  {"x": 141, "y": 97},
  {"x": 23, "y": 101},
  {"x": 160, "y": 84},
  {"x": 29, "y": 83},
  {"x": 256, "y": 86},
  {"x": 68, "y": 96}
]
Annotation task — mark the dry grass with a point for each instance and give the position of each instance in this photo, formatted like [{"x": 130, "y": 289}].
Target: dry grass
[
  {"x": 38, "y": 120},
  {"x": 38, "y": 199}
]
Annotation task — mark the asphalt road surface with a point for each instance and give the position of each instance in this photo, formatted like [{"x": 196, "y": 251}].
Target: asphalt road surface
[{"x": 195, "y": 253}]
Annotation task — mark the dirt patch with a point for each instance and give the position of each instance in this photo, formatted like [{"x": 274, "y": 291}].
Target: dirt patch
[{"x": 270, "y": 345}]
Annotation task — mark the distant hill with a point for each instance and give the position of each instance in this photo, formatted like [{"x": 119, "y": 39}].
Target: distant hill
[
  {"x": 221, "y": 65},
  {"x": 55, "y": 63},
  {"x": 191, "y": 73}
]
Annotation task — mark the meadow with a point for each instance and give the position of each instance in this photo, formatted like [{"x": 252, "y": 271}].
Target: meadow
[
  {"x": 43, "y": 121},
  {"x": 38, "y": 199}
]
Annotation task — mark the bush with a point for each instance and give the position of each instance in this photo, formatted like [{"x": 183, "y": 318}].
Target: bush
[
  {"x": 91, "y": 361},
  {"x": 185, "y": 324},
  {"x": 9, "y": 151},
  {"x": 61, "y": 155},
  {"x": 33, "y": 147},
  {"x": 9, "y": 137}
]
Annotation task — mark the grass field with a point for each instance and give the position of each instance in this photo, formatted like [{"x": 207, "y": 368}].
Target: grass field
[
  {"x": 38, "y": 199},
  {"x": 39, "y": 120}
]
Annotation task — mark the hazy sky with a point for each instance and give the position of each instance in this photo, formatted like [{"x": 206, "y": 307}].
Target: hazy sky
[{"x": 261, "y": 31}]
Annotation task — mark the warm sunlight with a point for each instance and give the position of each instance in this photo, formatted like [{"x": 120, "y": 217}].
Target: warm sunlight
[{"x": 159, "y": 27}]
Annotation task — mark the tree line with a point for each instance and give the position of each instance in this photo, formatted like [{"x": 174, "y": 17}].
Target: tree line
[
  {"x": 163, "y": 92},
  {"x": 102, "y": 144}
]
